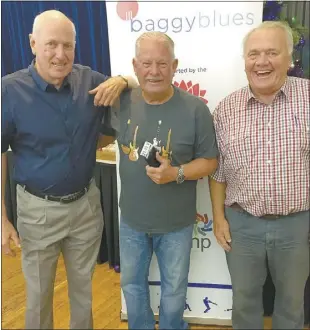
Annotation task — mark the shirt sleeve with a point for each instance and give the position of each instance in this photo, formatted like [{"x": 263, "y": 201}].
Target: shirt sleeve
[
  {"x": 219, "y": 174},
  {"x": 7, "y": 122},
  {"x": 107, "y": 127},
  {"x": 112, "y": 119},
  {"x": 98, "y": 78},
  {"x": 205, "y": 140}
]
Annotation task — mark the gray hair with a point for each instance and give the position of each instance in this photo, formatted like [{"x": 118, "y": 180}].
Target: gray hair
[
  {"x": 156, "y": 36},
  {"x": 274, "y": 25},
  {"x": 49, "y": 13}
]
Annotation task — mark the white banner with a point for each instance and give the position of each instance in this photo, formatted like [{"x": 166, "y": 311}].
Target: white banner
[{"x": 208, "y": 43}]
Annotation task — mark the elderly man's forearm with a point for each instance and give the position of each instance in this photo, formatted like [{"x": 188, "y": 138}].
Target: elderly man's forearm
[
  {"x": 199, "y": 168},
  {"x": 4, "y": 162},
  {"x": 218, "y": 195}
]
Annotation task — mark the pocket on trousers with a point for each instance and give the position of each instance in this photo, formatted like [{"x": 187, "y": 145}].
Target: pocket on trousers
[
  {"x": 95, "y": 209},
  {"x": 236, "y": 219},
  {"x": 31, "y": 216}
]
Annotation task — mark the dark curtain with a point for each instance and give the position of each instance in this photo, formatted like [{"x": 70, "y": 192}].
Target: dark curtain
[{"x": 89, "y": 17}]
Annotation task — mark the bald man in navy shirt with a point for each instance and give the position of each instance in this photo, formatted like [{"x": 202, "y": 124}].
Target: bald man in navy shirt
[{"x": 51, "y": 120}]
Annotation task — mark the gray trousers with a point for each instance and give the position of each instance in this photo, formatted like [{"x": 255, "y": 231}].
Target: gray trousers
[
  {"x": 283, "y": 244},
  {"x": 47, "y": 228}
]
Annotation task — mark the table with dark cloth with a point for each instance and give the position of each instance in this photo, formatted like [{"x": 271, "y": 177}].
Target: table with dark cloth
[{"x": 105, "y": 176}]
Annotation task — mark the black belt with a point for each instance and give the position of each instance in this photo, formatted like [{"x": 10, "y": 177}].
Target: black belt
[
  {"x": 62, "y": 199},
  {"x": 238, "y": 208}
]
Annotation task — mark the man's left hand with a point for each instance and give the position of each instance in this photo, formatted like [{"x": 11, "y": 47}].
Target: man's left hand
[
  {"x": 165, "y": 173},
  {"x": 108, "y": 92}
]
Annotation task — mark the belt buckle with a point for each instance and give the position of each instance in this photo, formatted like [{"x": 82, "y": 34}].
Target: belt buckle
[
  {"x": 67, "y": 199},
  {"x": 72, "y": 198},
  {"x": 270, "y": 216},
  {"x": 64, "y": 200}
]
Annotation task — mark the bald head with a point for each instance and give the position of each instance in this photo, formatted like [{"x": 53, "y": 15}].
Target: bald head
[
  {"x": 50, "y": 17},
  {"x": 156, "y": 37},
  {"x": 53, "y": 43}
]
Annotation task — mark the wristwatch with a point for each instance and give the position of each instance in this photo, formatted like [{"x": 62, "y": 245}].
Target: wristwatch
[
  {"x": 180, "y": 177},
  {"x": 126, "y": 80}
]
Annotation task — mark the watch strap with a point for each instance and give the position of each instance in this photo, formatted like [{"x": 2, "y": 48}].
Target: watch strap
[{"x": 180, "y": 177}]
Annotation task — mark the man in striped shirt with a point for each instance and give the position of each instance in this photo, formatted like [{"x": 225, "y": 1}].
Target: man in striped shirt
[{"x": 260, "y": 191}]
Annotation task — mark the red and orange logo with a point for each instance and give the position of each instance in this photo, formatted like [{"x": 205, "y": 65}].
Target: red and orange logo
[
  {"x": 127, "y": 10},
  {"x": 192, "y": 89}
]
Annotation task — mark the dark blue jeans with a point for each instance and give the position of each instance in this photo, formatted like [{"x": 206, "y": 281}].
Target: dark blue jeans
[
  {"x": 284, "y": 244},
  {"x": 173, "y": 255}
]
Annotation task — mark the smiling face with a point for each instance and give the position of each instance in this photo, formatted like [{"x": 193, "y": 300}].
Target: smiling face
[
  {"x": 154, "y": 66},
  {"x": 54, "y": 46},
  {"x": 267, "y": 60}
]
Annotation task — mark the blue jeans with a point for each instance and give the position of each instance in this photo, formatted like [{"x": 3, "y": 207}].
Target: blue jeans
[
  {"x": 173, "y": 255},
  {"x": 283, "y": 244}
]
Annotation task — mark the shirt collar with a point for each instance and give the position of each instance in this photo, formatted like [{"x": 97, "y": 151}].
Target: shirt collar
[
  {"x": 42, "y": 84},
  {"x": 285, "y": 89}
]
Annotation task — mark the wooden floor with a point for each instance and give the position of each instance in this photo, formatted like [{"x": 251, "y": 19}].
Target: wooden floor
[{"x": 106, "y": 297}]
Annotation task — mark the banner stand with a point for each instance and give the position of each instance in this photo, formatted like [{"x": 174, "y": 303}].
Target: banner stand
[{"x": 208, "y": 44}]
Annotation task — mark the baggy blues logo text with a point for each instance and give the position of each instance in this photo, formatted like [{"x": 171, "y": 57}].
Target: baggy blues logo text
[
  {"x": 128, "y": 11},
  {"x": 202, "y": 226}
]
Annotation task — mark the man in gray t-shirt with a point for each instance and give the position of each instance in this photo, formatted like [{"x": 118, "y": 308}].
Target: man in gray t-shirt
[
  {"x": 158, "y": 203},
  {"x": 183, "y": 129}
]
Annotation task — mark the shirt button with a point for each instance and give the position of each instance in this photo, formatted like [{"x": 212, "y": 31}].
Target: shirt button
[
  {"x": 270, "y": 181},
  {"x": 269, "y": 124},
  {"x": 268, "y": 162},
  {"x": 269, "y": 143}
]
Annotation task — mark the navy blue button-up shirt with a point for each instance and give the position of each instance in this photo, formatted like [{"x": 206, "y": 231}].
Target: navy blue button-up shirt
[{"x": 52, "y": 133}]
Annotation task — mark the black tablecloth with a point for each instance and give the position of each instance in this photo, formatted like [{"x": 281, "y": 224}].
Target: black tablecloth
[{"x": 105, "y": 175}]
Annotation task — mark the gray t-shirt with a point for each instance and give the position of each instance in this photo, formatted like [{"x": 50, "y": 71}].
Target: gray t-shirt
[{"x": 183, "y": 127}]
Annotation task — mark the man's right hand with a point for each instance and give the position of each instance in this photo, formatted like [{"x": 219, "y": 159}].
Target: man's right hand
[
  {"x": 8, "y": 233},
  {"x": 222, "y": 233}
]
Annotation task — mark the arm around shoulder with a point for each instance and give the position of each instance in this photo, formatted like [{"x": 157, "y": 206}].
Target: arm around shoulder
[
  {"x": 218, "y": 195},
  {"x": 110, "y": 89}
]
